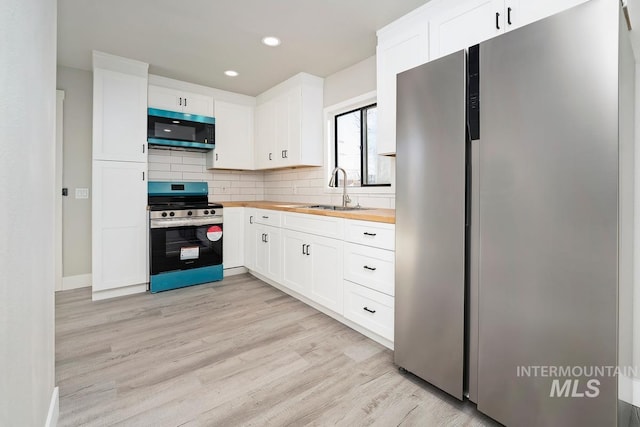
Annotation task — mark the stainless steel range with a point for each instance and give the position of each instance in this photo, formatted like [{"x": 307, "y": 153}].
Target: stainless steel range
[{"x": 186, "y": 235}]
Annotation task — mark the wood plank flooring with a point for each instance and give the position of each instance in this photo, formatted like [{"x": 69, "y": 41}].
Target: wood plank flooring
[{"x": 231, "y": 353}]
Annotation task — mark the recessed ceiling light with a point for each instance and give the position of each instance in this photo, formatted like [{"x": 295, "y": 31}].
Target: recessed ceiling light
[
  {"x": 231, "y": 73},
  {"x": 271, "y": 41}
]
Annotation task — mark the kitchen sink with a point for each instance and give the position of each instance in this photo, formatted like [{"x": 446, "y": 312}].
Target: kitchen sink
[{"x": 335, "y": 208}]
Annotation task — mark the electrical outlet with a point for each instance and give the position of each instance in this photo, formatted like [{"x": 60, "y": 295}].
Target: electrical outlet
[{"x": 82, "y": 193}]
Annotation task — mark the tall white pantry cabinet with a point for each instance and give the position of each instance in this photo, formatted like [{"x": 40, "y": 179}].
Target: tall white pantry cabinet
[{"x": 119, "y": 175}]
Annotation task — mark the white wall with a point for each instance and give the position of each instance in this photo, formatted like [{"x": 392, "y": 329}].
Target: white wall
[
  {"x": 27, "y": 163},
  {"x": 76, "y": 213}
]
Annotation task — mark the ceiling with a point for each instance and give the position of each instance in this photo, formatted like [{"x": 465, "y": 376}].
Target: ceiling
[{"x": 197, "y": 40}]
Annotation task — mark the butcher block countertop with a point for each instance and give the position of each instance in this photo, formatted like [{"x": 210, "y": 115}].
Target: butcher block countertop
[{"x": 366, "y": 214}]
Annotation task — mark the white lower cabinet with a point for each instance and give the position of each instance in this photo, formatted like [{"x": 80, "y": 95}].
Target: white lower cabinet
[
  {"x": 313, "y": 267},
  {"x": 344, "y": 266},
  {"x": 371, "y": 267},
  {"x": 368, "y": 308},
  {"x": 268, "y": 251},
  {"x": 233, "y": 240},
  {"x": 119, "y": 230}
]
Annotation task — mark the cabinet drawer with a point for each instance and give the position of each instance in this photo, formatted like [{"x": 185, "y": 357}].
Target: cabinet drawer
[
  {"x": 267, "y": 217},
  {"x": 370, "y": 267},
  {"x": 376, "y": 234},
  {"x": 314, "y": 224},
  {"x": 368, "y": 308}
]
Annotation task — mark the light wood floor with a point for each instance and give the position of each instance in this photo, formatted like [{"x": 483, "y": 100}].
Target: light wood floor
[{"x": 237, "y": 352}]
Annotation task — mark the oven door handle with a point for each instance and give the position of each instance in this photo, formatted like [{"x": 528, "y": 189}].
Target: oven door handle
[{"x": 184, "y": 222}]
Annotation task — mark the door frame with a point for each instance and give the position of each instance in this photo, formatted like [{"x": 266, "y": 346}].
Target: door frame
[{"x": 58, "y": 188}]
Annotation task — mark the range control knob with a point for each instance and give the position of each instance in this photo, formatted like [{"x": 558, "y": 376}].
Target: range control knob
[
  {"x": 164, "y": 214},
  {"x": 172, "y": 214},
  {"x": 206, "y": 212},
  {"x": 189, "y": 213},
  {"x": 213, "y": 212}
]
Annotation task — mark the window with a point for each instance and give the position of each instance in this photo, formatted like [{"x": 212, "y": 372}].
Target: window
[{"x": 355, "y": 149}]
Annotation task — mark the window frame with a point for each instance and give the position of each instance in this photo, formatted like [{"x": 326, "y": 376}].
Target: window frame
[
  {"x": 364, "y": 147},
  {"x": 329, "y": 156}
]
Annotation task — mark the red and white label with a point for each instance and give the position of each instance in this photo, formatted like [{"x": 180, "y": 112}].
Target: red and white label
[{"x": 214, "y": 233}]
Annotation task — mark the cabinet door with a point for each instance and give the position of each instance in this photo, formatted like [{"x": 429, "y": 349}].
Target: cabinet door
[
  {"x": 467, "y": 24},
  {"x": 234, "y": 136},
  {"x": 265, "y": 135},
  {"x": 268, "y": 250},
  {"x": 296, "y": 263},
  {"x": 164, "y": 98},
  {"x": 250, "y": 239},
  {"x": 326, "y": 272},
  {"x": 397, "y": 52},
  {"x": 523, "y": 12},
  {"x": 119, "y": 116},
  {"x": 274, "y": 247},
  {"x": 119, "y": 224},
  {"x": 289, "y": 128},
  {"x": 195, "y": 103},
  {"x": 233, "y": 240}
]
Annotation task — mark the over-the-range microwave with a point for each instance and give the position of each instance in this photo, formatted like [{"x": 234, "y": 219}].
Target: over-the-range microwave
[{"x": 172, "y": 129}]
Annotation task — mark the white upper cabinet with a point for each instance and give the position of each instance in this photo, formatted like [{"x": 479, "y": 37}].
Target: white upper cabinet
[
  {"x": 234, "y": 137},
  {"x": 458, "y": 25},
  {"x": 436, "y": 29},
  {"x": 119, "y": 110},
  {"x": 523, "y": 12},
  {"x": 402, "y": 45},
  {"x": 465, "y": 24},
  {"x": 289, "y": 124},
  {"x": 181, "y": 101}
]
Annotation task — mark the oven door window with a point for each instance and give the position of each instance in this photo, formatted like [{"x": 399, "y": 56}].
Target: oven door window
[{"x": 183, "y": 248}]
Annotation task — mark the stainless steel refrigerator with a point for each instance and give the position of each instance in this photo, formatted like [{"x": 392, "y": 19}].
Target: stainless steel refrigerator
[{"x": 508, "y": 249}]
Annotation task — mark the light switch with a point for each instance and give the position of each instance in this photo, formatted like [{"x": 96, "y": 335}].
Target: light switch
[{"x": 82, "y": 193}]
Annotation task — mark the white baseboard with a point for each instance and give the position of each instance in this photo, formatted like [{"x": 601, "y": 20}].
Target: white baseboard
[
  {"x": 234, "y": 271},
  {"x": 75, "y": 282},
  {"x": 54, "y": 409},
  {"x": 119, "y": 292}
]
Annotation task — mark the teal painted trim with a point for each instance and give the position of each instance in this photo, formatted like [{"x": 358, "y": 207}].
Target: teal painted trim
[
  {"x": 180, "y": 279},
  {"x": 159, "y": 188},
  {"x": 181, "y": 116},
  {"x": 175, "y": 143}
]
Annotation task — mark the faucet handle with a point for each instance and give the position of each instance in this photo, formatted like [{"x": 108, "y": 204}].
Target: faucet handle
[{"x": 347, "y": 199}]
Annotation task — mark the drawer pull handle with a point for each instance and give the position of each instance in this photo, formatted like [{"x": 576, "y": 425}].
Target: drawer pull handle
[
  {"x": 369, "y": 234},
  {"x": 370, "y": 311},
  {"x": 370, "y": 268},
  {"x": 265, "y": 217}
]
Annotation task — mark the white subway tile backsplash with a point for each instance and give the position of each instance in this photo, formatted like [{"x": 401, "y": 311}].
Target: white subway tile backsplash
[
  {"x": 304, "y": 185},
  {"x": 193, "y": 176},
  {"x": 194, "y": 161}
]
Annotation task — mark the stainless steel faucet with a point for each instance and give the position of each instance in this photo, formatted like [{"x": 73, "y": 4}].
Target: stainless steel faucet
[{"x": 332, "y": 182}]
